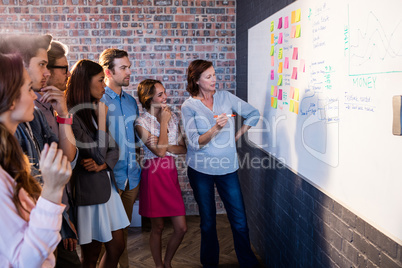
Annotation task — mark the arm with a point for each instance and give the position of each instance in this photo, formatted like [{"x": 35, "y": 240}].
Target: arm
[
  {"x": 181, "y": 147},
  {"x": 66, "y": 137}
]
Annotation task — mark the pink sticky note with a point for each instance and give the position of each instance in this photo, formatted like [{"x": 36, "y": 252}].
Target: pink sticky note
[
  {"x": 286, "y": 22},
  {"x": 294, "y": 73},
  {"x": 293, "y": 32},
  {"x": 292, "y": 92},
  {"x": 280, "y": 23},
  {"x": 295, "y": 53},
  {"x": 275, "y": 91},
  {"x": 272, "y": 60},
  {"x": 302, "y": 66},
  {"x": 280, "y": 94},
  {"x": 272, "y": 74},
  {"x": 286, "y": 63},
  {"x": 280, "y": 38}
]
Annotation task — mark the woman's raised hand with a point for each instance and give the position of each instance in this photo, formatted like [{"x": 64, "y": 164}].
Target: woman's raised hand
[{"x": 56, "y": 172}]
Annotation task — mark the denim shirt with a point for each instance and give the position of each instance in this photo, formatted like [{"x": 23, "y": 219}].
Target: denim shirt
[
  {"x": 122, "y": 112},
  {"x": 219, "y": 156}
]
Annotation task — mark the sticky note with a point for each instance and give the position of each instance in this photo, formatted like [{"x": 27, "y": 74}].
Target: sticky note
[
  {"x": 272, "y": 60},
  {"x": 291, "y": 105},
  {"x": 292, "y": 92},
  {"x": 275, "y": 91},
  {"x": 272, "y": 26},
  {"x": 286, "y": 63},
  {"x": 293, "y": 18},
  {"x": 272, "y": 74},
  {"x": 302, "y": 66},
  {"x": 272, "y": 51},
  {"x": 280, "y": 54},
  {"x": 293, "y": 32},
  {"x": 280, "y": 38},
  {"x": 272, "y": 90},
  {"x": 280, "y": 23},
  {"x": 298, "y": 31},
  {"x": 280, "y": 94},
  {"x": 294, "y": 73},
  {"x": 280, "y": 67},
  {"x": 296, "y": 107},
  {"x": 286, "y": 22},
  {"x": 280, "y": 80},
  {"x": 275, "y": 103},
  {"x": 295, "y": 53},
  {"x": 272, "y": 101},
  {"x": 272, "y": 38},
  {"x": 296, "y": 96},
  {"x": 298, "y": 15}
]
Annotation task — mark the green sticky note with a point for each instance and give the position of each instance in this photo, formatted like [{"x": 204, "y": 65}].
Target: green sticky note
[
  {"x": 280, "y": 54},
  {"x": 280, "y": 80},
  {"x": 275, "y": 103},
  {"x": 291, "y": 106},
  {"x": 298, "y": 30},
  {"x": 272, "y": 26},
  {"x": 272, "y": 51},
  {"x": 272, "y": 90}
]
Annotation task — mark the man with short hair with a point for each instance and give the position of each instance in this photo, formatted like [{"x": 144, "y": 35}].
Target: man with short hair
[{"x": 122, "y": 112}]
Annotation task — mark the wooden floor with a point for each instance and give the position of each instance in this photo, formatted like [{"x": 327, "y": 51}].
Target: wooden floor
[{"x": 188, "y": 254}]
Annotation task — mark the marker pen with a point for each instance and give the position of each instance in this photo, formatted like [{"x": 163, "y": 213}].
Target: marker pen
[{"x": 228, "y": 115}]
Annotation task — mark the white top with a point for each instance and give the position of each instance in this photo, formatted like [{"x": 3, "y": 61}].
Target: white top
[
  {"x": 151, "y": 124},
  {"x": 28, "y": 241}
]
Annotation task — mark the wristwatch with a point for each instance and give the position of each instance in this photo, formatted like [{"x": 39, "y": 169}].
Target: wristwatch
[{"x": 65, "y": 120}]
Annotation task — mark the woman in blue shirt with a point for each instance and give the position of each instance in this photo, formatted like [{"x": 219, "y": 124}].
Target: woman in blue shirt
[{"x": 212, "y": 159}]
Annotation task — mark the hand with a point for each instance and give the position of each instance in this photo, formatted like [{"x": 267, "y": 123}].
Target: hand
[
  {"x": 57, "y": 98},
  {"x": 152, "y": 141},
  {"x": 70, "y": 244},
  {"x": 90, "y": 165},
  {"x": 56, "y": 172},
  {"x": 165, "y": 114},
  {"x": 221, "y": 120}
]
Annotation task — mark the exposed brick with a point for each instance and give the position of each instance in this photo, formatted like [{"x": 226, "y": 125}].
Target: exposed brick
[
  {"x": 390, "y": 247},
  {"x": 386, "y": 261}
]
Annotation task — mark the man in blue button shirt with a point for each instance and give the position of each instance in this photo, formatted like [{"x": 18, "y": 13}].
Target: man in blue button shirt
[{"x": 122, "y": 112}]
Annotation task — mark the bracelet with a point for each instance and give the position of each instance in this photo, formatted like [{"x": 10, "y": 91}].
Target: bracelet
[{"x": 65, "y": 120}]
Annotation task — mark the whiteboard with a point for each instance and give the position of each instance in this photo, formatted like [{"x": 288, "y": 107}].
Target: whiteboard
[{"x": 332, "y": 121}]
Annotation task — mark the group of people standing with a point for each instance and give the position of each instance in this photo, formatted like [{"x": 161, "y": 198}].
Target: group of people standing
[{"x": 86, "y": 127}]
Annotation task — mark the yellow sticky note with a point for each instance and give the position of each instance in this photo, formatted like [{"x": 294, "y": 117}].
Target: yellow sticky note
[
  {"x": 293, "y": 17},
  {"x": 272, "y": 101},
  {"x": 298, "y": 15},
  {"x": 280, "y": 67},
  {"x": 298, "y": 30},
  {"x": 291, "y": 105},
  {"x": 272, "y": 26},
  {"x": 272, "y": 90},
  {"x": 280, "y": 80},
  {"x": 272, "y": 38},
  {"x": 272, "y": 51},
  {"x": 280, "y": 53},
  {"x": 296, "y": 107},
  {"x": 296, "y": 97},
  {"x": 275, "y": 103}
]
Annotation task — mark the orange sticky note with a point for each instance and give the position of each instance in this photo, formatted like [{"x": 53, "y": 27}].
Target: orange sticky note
[
  {"x": 272, "y": 60},
  {"x": 295, "y": 53},
  {"x": 298, "y": 15},
  {"x": 272, "y": 38},
  {"x": 291, "y": 105},
  {"x": 296, "y": 96},
  {"x": 294, "y": 73},
  {"x": 280, "y": 67},
  {"x": 280, "y": 80},
  {"x": 272, "y": 101},
  {"x": 293, "y": 32},
  {"x": 293, "y": 17},
  {"x": 296, "y": 107},
  {"x": 298, "y": 31}
]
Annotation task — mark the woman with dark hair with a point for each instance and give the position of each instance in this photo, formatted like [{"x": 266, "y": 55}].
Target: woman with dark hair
[
  {"x": 30, "y": 216},
  {"x": 212, "y": 159},
  {"x": 160, "y": 194},
  {"x": 100, "y": 212}
]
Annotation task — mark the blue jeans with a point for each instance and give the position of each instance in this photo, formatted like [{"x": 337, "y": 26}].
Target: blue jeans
[{"x": 229, "y": 190}]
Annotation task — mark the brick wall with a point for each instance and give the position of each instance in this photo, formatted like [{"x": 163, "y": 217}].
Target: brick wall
[
  {"x": 292, "y": 223},
  {"x": 161, "y": 36}
]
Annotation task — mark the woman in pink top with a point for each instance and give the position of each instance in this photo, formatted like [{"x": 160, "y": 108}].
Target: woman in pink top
[
  {"x": 30, "y": 217},
  {"x": 160, "y": 194}
]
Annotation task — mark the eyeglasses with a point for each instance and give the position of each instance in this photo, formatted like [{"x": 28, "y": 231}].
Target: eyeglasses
[{"x": 58, "y": 67}]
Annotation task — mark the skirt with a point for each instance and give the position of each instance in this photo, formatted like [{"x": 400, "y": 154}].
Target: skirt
[
  {"x": 160, "y": 193},
  {"x": 96, "y": 222}
]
